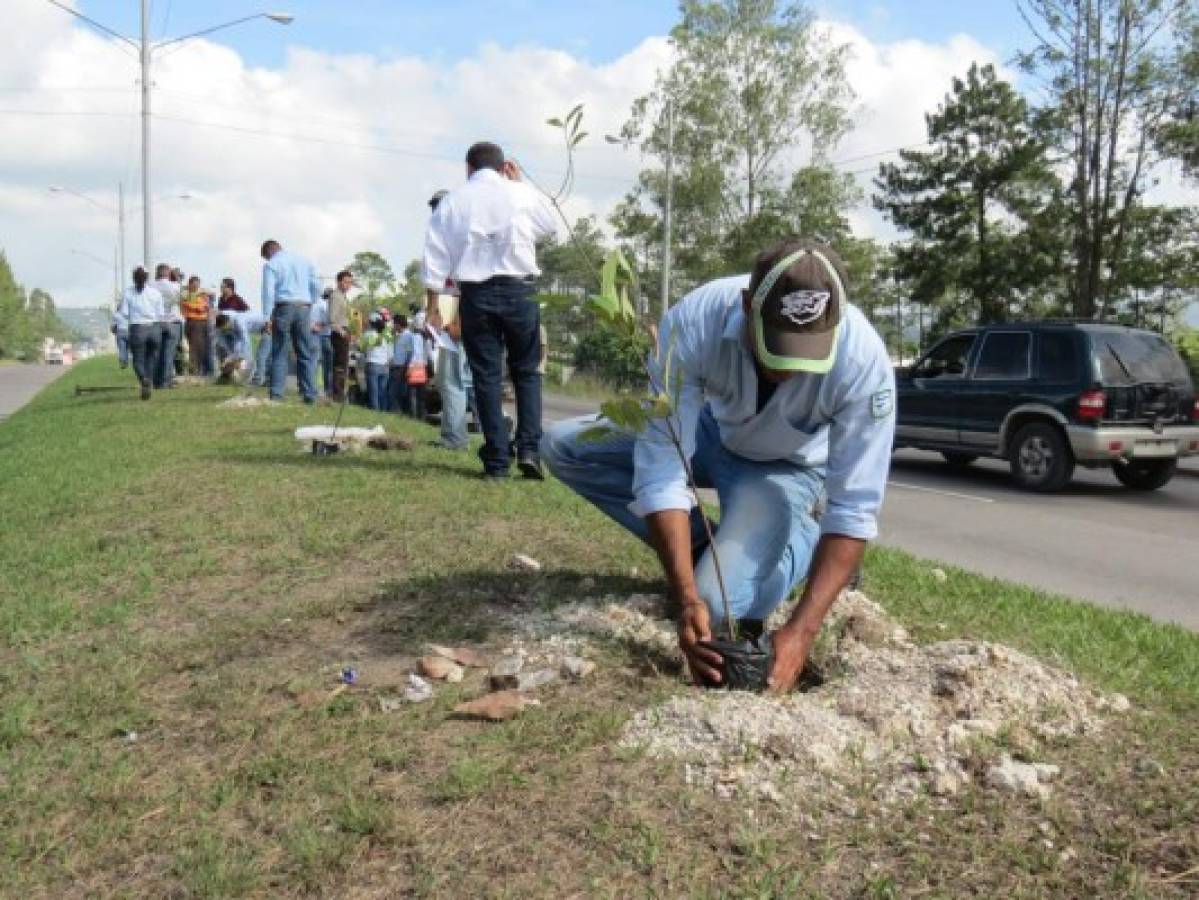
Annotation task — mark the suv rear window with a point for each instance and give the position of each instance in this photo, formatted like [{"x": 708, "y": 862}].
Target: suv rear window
[
  {"x": 1136, "y": 357},
  {"x": 1059, "y": 359},
  {"x": 1005, "y": 356}
]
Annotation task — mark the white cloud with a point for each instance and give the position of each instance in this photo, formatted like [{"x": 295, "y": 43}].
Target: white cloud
[{"x": 379, "y": 136}]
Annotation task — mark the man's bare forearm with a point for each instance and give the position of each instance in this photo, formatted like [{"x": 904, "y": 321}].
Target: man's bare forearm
[
  {"x": 670, "y": 534},
  {"x": 836, "y": 559}
]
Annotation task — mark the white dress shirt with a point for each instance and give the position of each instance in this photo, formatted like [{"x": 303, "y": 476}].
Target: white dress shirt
[
  {"x": 489, "y": 226},
  {"x": 170, "y": 291}
]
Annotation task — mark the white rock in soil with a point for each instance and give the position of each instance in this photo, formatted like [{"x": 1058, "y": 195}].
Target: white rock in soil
[
  {"x": 939, "y": 575},
  {"x": 522, "y": 563},
  {"x": 768, "y": 790},
  {"x": 418, "y": 690},
  {"x": 530, "y": 681},
  {"x": 505, "y": 672},
  {"x": 1023, "y": 779},
  {"x": 576, "y": 667}
]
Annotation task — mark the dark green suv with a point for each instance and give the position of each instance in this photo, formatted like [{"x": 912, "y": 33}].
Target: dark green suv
[{"x": 1048, "y": 396}]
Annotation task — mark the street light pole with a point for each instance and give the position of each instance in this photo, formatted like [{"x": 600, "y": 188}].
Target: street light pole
[
  {"x": 121, "y": 226},
  {"x": 147, "y": 214},
  {"x": 145, "y": 49}
]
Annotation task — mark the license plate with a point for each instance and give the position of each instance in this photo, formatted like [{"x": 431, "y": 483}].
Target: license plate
[{"x": 1164, "y": 447}]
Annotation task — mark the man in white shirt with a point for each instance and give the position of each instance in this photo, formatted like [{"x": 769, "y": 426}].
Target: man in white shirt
[
  {"x": 483, "y": 236},
  {"x": 169, "y": 283}
]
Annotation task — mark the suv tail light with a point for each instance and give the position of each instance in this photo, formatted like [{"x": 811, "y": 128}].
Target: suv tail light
[
  {"x": 1092, "y": 405},
  {"x": 1195, "y": 411}
]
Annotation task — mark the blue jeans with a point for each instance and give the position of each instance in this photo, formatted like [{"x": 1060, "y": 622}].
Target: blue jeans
[
  {"x": 122, "y": 348},
  {"x": 768, "y": 524},
  {"x": 292, "y": 320},
  {"x": 262, "y": 361},
  {"x": 324, "y": 354},
  {"x": 145, "y": 344},
  {"x": 164, "y": 373},
  {"x": 377, "y": 375},
  {"x": 498, "y": 315},
  {"x": 453, "y": 383},
  {"x": 397, "y": 390}
]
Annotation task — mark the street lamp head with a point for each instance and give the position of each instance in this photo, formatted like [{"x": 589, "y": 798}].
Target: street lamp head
[
  {"x": 281, "y": 18},
  {"x": 613, "y": 139},
  {"x": 55, "y": 189}
]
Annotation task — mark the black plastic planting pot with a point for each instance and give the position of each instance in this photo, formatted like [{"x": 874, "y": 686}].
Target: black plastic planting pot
[
  {"x": 324, "y": 448},
  {"x": 746, "y": 663}
]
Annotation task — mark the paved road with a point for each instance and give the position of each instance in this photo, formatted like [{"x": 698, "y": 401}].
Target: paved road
[
  {"x": 19, "y": 384},
  {"x": 1096, "y": 540}
]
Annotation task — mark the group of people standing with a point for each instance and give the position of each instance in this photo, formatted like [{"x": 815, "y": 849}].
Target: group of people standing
[{"x": 154, "y": 319}]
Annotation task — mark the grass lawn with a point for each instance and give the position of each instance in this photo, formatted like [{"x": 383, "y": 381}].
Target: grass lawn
[{"x": 180, "y": 583}]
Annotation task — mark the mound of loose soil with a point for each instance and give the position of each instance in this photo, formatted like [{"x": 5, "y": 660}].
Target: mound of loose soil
[{"x": 903, "y": 717}]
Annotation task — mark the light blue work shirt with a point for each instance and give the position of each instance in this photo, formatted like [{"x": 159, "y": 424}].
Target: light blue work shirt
[
  {"x": 320, "y": 318},
  {"x": 842, "y": 422},
  {"x": 235, "y": 343},
  {"x": 409, "y": 349},
  {"x": 288, "y": 278},
  {"x": 142, "y": 307}
]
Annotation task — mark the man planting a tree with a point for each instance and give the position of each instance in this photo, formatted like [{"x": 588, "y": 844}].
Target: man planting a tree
[{"x": 782, "y": 396}]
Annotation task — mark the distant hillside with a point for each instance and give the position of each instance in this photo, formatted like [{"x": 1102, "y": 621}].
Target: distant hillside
[{"x": 90, "y": 323}]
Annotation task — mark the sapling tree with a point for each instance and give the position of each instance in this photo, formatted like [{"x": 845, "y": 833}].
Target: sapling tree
[{"x": 657, "y": 405}]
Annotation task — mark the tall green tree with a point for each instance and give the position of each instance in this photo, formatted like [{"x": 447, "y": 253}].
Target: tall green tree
[
  {"x": 755, "y": 84},
  {"x": 373, "y": 274},
  {"x": 1178, "y": 135},
  {"x": 570, "y": 266},
  {"x": 966, "y": 202},
  {"x": 1115, "y": 77},
  {"x": 25, "y": 319}
]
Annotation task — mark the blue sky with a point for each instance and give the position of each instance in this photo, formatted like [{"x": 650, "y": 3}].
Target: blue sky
[{"x": 452, "y": 29}]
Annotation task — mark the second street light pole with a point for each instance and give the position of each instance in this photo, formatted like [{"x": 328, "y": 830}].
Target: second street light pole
[{"x": 147, "y": 214}]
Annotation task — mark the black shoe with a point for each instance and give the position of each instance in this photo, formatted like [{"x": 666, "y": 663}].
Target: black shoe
[
  {"x": 145, "y": 390},
  {"x": 530, "y": 467}
]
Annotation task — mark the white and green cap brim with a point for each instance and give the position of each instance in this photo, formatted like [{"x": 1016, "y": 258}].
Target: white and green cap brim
[{"x": 796, "y": 323}]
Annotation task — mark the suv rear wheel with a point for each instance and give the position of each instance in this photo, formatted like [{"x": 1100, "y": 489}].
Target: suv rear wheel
[
  {"x": 1145, "y": 475},
  {"x": 958, "y": 460},
  {"x": 1041, "y": 459}
]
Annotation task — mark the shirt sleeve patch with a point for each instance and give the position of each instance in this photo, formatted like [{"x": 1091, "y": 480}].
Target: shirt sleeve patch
[{"x": 882, "y": 403}]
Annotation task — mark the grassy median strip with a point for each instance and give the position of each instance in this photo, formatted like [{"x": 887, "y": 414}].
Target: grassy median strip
[{"x": 179, "y": 584}]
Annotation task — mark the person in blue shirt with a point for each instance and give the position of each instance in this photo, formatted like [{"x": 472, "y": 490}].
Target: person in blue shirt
[
  {"x": 141, "y": 306},
  {"x": 322, "y": 341},
  {"x": 784, "y": 398},
  {"x": 234, "y": 333},
  {"x": 289, "y": 289}
]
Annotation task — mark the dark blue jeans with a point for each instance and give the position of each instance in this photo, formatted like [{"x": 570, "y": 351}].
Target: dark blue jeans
[
  {"x": 324, "y": 353},
  {"x": 496, "y": 315},
  {"x": 145, "y": 345},
  {"x": 171, "y": 333},
  {"x": 292, "y": 320}
]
